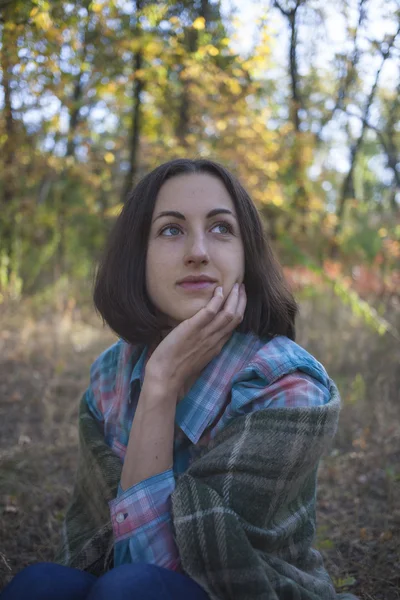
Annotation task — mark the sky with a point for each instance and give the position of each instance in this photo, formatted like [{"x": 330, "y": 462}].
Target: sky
[
  {"x": 334, "y": 34},
  {"x": 332, "y": 38},
  {"x": 328, "y": 40}
]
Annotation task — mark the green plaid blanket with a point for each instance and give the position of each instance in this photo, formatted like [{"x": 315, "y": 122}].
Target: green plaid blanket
[{"x": 243, "y": 513}]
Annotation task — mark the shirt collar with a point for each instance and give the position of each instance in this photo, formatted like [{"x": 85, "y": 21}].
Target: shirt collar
[
  {"x": 197, "y": 410},
  {"x": 138, "y": 369}
]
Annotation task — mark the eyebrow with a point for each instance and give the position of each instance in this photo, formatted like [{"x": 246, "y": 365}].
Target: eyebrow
[{"x": 178, "y": 215}]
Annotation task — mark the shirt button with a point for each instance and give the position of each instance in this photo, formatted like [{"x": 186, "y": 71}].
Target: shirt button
[{"x": 120, "y": 517}]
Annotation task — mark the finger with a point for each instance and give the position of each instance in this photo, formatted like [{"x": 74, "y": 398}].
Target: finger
[
  {"x": 218, "y": 346},
  {"x": 225, "y": 319},
  {"x": 217, "y": 342},
  {"x": 219, "y": 330},
  {"x": 228, "y": 314},
  {"x": 241, "y": 307},
  {"x": 216, "y": 315},
  {"x": 226, "y": 326},
  {"x": 204, "y": 316}
]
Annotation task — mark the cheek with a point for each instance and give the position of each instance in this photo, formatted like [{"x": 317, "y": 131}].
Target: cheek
[
  {"x": 152, "y": 270},
  {"x": 232, "y": 262},
  {"x": 240, "y": 259},
  {"x": 241, "y": 263},
  {"x": 159, "y": 271},
  {"x": 156, "y": 261}
]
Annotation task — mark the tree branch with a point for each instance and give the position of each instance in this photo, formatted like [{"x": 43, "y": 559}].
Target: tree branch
[
  {"x": 136, "y": 123},
  {"x": 348, "y": 184},
  {"x": 279, "y": 7},
  {"x": 390, "y": 153},
  {"x": 348, "y": 77},
  {"x": 4, "y": 3}
]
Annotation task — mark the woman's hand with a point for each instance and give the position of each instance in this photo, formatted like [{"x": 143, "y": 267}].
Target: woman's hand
[
  {"x": 181, "y": 355},
  {"x": 190, "y": 346}
]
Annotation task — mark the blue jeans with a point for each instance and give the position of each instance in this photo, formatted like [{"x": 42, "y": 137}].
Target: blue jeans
[{"x": 49, "y": 581}]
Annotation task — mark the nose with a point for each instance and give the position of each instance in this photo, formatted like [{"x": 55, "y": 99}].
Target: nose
[{"x": 197, "y": 252}]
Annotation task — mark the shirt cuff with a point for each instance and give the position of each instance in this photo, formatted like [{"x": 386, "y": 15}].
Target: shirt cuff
[{"x": 145, "y": 503}]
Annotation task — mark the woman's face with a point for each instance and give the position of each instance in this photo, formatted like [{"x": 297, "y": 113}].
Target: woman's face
[{"x": 203, "y": 239}]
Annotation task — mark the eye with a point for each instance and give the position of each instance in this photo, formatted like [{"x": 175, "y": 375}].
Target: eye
[
  {"x": 171, "y": 228},
  {"x": 174, "y": 228},
  {"x": 225, "y": 225}
]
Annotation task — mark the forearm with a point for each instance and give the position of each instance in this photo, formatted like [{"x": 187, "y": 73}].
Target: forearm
[{"x": 151, "y": 439}]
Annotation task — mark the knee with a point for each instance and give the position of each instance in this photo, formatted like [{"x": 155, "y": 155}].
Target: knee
[
  {"x": 35, "y": 573},
  {"x": 46, "y": 581},
  {"x": 130, "y": 577},
  {"x": 29, "y": 581},
  {"x": 137, "y": 572}
]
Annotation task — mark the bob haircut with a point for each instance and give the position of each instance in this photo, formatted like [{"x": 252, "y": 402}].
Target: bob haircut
[{"x": 120, "y": 294}]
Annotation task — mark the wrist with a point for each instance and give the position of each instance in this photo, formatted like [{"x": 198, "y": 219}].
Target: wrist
[
  {"x": 161, "y": 380},
  {"x": 157, "y": 392}
]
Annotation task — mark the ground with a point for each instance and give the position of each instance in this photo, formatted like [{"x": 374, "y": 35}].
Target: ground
[{"x": 44, "y": 367}]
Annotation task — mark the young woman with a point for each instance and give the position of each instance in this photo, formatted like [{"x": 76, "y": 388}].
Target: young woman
[{"x": 203, "y": 426}]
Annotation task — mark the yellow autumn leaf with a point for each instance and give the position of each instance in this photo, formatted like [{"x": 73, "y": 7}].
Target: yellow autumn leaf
[
  {"x": 277, "y": 200},
  {"x": 153, "y": 48},
  {"x": 110, "y": 88},
  {"x": 259, "y": 127},
  {"x": 191, "y": 138},
  {"x": 234, "y": 86},
  {"x": 109, "y": 158},
  {"x": 133, "y": 45},
  {"x": 315, "y": 203},
  {"x": 253, "y": 180},
  {"x": 114, "y": 211},
  {"x": 96, "y": 7},
  {"x": 199, "y": 23},
  {"x": 213, "y": 51},
  {"x": 43, "y": 21},
  {"x": 221, "y": 125},
  {"x": 331, "y": 220}
]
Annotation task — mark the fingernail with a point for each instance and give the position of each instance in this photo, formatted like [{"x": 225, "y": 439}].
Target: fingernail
[
  {"x": 236, "y": 286},
  {"x": 219, "y": 290}
]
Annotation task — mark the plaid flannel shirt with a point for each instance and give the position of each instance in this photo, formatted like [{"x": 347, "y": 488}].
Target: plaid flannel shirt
[{"x": 233, "y": 383}]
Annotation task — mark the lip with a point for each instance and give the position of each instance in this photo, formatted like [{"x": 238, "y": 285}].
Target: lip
[
  {"x": 196, "y": 285},
  {"x": 197, "y": 279}
]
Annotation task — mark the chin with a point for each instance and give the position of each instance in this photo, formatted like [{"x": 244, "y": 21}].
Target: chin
[{"x": 188, "y": 311}]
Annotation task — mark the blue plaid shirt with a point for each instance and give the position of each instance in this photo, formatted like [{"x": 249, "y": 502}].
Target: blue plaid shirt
[{"x": 249, "y": 374}]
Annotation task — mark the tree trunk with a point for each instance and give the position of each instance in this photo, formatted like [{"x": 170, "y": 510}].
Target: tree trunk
[
  {"x": 182, "y": 127},
  {"x": 60, "y": 265},
  {"x": 8, "y": 209},
  {"x": 299, "y": 201},
  {"x": 138, "y": 87},
  {"x": 74, "y": 114}
]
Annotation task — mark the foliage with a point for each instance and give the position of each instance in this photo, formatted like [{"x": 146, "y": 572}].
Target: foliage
[{"x": 97, "y": 92}]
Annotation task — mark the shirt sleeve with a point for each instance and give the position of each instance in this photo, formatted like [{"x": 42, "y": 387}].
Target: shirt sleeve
[
  {"x": 141, "y": 515},
  {"x": 142, "y": 523},
  {"x": 296, "y": 389}
]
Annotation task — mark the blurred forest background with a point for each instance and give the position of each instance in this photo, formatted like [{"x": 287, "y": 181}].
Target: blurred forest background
[{"x": 300, "y": 98}]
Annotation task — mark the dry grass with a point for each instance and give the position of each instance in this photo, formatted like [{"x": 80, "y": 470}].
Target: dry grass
[{"x": 44, "y": 368}]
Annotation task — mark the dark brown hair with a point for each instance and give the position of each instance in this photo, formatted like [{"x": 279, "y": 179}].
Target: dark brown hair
[{"x": 120, "y": 294}]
